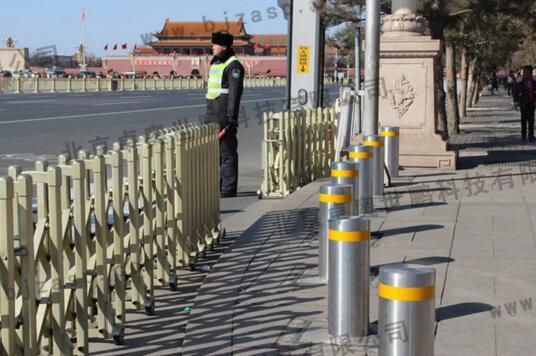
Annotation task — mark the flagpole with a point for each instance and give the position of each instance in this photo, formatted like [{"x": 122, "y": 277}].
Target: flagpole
[
  {"x": 84, "y": 26},
  {"x": 84, "y": 36}
]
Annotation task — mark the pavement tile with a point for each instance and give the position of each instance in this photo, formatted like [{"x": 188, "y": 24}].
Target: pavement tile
[{"x": 481, "y": 244}]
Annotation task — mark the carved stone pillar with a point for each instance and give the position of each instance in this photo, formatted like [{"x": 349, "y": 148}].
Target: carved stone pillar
[{"x": 407, "y": 88}]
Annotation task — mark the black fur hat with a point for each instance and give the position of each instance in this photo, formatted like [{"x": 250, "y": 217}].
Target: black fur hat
[{"x": 222, "y": 38}]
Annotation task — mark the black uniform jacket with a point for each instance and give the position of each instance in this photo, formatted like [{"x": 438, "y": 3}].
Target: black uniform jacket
[
  {"x": 224, "y": 109},
  {"x": 520, "y": 93}
]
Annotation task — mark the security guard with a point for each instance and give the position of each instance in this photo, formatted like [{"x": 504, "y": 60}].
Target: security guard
[{"x": 225, "y": 87}]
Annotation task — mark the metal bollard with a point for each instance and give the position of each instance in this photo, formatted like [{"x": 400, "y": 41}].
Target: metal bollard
[
  {"x": 377, "y": 143},
  {"x": 18, "y": 86},
  {"x": 364, "y": 156},
  {"x": 347, "y": 173},
  {"x": 335, "y": 201},
  {"x": 407, "y": 310},
  {"x": 391, "y": 135},
  {"x": 348, "y": 285},
  {"x": 36, "y": 90}
]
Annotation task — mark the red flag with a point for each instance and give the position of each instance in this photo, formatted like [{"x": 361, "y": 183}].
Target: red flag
[
  {"x": 256, "y": 45},
  {"x": 115, "y": 46},
  {"x": 124, "y": 46},
  {"x": 106, "y": 47},
  {"x": 83, "y": 15}
]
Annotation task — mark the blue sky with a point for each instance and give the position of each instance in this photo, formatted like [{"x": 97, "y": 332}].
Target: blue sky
[{"x": 39, "y": 23}]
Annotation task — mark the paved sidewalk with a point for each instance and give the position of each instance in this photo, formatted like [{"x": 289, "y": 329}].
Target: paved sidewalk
[{"x": 476, "y": 226}]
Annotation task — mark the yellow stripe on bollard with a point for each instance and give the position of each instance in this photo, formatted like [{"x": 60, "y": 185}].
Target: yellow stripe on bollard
[
  {"x": 344, "y": 173},
  {"x": 373, "y": 143},
  {"x": 335, "y": 198},
  {"x": 390, "y": 134},
  {"x": 349, "y": 236},
  {"x": 406, "y": 294},
  {"x": 361, "y": 155}
]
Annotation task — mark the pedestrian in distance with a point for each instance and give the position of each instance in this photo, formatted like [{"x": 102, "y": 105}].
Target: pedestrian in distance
[
  {"x": 494, "y": 83},
  {"x": 225, "y": 88},
  {"x": 510, "y": 83},
  {"x": 525, "y": 96}
]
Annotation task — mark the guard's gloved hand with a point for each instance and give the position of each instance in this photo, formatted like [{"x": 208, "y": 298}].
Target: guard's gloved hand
[{"x": 222, "y": 131}]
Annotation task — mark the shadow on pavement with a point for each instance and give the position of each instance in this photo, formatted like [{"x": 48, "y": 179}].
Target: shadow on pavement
[
  {"x": 415, "y": 206},
  {"x": 410, "y": 229},
  {"x": 231, "y": 211},
  {"x": 430, "y": 175},
  {"x": 246, "y": 194},
  {"x": 459, "y": 310},
  {"x": 498, "y": 157},
  {"x": 247, "y": 301},
  {"x": 163, "y": 332},
  {"x": 417, "y": 190},
  {"x": 430, "y": 261}
]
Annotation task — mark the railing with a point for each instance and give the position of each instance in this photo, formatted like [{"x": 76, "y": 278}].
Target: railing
[
  {"x": 298, "y": 147},
  {"x": 106, "y": 229},
  {"x": 83, "y": 85}
]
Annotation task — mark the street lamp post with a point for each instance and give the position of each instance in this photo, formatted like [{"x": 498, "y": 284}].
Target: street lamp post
[
  {"x": 286, "y": 6},
  {"x": 372, "y": 68},
  {"x": 358, "y": 51}
]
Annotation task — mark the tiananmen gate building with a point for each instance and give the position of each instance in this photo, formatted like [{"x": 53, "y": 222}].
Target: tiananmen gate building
[{"x": 194, "y": 39}]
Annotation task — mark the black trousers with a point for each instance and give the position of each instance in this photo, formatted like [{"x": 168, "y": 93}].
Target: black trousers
[
  {"x": 229, "y": 161},
  {"x": 527, "y": 118}
]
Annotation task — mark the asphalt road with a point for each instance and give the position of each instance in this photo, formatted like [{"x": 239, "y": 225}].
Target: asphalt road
[{"x": 43, "y": 126}]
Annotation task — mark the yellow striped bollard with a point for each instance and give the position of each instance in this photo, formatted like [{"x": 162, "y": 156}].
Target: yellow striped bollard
[
  {"x": 335, "y": 201},
  {"x": 406, "y": 310},
  {"x": 391, "y": 135},
  {"x": 377, "y": 143},
  {"x": 348, "y": 285},
  {"x": 363, "y": 155},
  {"x": 347, "y": 173}
]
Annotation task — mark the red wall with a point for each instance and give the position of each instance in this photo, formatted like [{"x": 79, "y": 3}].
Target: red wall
[{"x": 164, "y": 65}]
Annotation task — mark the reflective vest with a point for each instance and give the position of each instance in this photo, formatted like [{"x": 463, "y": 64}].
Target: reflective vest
[{"x": 216, "y": 77}]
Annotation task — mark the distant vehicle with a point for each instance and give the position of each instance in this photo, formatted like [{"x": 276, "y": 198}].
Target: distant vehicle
[
  {"x": 87, "y": 74},
  {"x": 132, "y": 75},
  {"x": 26, "y": 73},
  {"x": 5, "y": 74},
  {"x": 55, "y": 72}
]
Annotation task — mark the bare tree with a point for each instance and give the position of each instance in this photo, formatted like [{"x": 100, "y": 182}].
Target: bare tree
[{"x": 10, "y": 42}]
